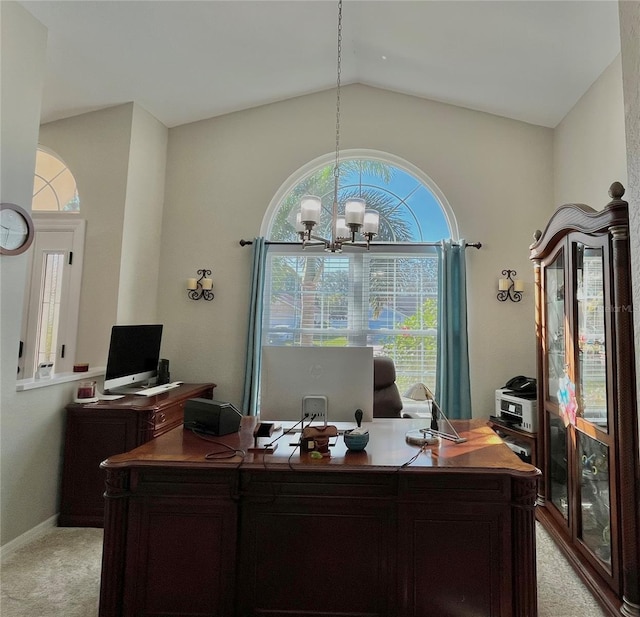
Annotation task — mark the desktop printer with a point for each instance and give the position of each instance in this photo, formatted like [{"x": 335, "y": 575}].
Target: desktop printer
[
  {"x": 204, "y": 415},
  {"x": 516, "y": 411}
]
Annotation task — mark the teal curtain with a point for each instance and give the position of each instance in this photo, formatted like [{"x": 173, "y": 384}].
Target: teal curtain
[
  {"x": 254, "y": 336},
  {"x": 453, "y": 389}
]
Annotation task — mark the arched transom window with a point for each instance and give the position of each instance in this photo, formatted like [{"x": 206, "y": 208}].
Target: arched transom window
[
  {"x": 386, "y": 297},
  {"x": 410, "y": 205},
  {"x": 54, "y": 187}
]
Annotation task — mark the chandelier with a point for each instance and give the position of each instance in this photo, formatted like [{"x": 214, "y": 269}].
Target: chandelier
[{"x": 356, "y": 218}]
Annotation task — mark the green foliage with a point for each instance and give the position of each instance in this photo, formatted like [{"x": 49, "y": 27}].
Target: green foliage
[{"x": 406, "y": 344}]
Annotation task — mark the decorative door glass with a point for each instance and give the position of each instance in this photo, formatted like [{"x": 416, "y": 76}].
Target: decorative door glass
[
  {"x": 554, "y": 320},
  {"x": 49, "y": 306},
  {"x": 591, "y": 362},
  {"x": 595, "y": 506},
  {"x": 558, "y": 465}
]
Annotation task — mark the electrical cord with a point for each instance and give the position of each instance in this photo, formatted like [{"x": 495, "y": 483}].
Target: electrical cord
[
  {"x": 422, "y": 450},
  {"x": 274, "y": 492},
  {"x": 289, "y": 430},
  {"x": 313, "y": 417},
  {"x": 224, "y": 452}
]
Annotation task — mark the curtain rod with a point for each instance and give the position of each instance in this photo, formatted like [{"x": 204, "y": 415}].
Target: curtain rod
[{"x": 475, "y": 245}]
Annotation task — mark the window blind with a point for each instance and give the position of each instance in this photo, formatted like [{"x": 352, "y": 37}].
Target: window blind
[{"x": 385, "y": 298}]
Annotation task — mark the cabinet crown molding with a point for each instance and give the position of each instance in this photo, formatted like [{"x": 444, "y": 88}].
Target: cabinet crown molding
[{"x": 581, "y": 218}]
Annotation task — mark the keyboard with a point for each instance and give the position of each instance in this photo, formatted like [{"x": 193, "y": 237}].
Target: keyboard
[{"x": 159, "y": 389}]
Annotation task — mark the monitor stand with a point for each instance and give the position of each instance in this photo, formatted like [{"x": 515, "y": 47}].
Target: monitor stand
[{"x": 132, "y": 389}]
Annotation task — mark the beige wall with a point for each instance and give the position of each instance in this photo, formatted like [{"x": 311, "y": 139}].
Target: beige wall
[
  {"x": 222, "y": 174},
  {"x": 630, "y": 37},
  {"x": 96, "y": 147},
  {"x": 589, "y": 144},
  {"x": 30, "y": 422},
  {"x": 118, "y": 157},
  {"x": 142, "y": 223}
]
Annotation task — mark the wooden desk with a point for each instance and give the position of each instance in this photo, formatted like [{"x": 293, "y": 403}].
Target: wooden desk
[
  {"x": 94, "y": 431},
  {"x": 357, "y": 534}
]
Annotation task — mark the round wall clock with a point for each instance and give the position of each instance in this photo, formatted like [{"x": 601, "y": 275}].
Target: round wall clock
[{"x": 16, "y": 229}]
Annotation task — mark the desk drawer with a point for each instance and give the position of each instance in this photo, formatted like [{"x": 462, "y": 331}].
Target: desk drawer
[{"x": 168, "y": 418}]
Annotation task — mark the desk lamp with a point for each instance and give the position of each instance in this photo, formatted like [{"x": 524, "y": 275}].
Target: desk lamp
[{"x": 431, "y": 435}]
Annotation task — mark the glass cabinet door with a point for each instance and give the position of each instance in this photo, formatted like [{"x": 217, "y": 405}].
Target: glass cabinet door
[
  {"x": 558, "y": 474},
  {"x": 595, "y": 505},
  {"x": 554, "y": 321},
  {"x": 591, "y": 369}
]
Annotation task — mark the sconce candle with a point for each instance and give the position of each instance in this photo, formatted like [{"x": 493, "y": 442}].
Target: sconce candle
[
  {"x": 201, "y": 288},
  {"x": 508, "y": 288}
]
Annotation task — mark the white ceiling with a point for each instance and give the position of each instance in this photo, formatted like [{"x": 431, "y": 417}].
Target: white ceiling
[{"x": 186, "y": 60}]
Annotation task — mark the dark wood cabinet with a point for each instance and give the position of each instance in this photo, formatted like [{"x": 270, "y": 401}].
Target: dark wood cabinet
[
  {"x": 96, "y": 431},
  {"x": 588, "y": 417}
]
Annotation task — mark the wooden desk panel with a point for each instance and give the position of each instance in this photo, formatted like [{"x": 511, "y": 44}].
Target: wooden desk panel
[{"x": 354, "y": 534}]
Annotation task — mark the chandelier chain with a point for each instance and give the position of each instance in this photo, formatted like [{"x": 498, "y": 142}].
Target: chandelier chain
[
  {"x": 336, "y": 171},
  {"x": 356, "y": 218}
]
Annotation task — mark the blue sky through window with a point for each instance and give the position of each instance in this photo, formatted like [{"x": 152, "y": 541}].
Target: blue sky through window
[{"x": 415, "y": 203}]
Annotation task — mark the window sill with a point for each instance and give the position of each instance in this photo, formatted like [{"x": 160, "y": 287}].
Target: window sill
[{"x": 58, "y": 378}]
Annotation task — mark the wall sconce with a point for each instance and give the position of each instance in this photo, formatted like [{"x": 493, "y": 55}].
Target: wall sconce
[
  {"x": 200, "y": 288},
  {"x": 510, "y": 288}
]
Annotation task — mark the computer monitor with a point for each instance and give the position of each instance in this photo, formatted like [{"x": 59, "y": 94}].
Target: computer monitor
[
  {"x": 344, "y": 375},
  {"x": 134, "y": 352}
]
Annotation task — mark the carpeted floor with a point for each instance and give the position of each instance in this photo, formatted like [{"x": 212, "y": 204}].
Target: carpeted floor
[{"x": 58, "y": 575}]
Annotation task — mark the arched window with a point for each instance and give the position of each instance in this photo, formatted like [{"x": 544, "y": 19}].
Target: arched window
[
  {"x": 411, "y": 207},
  {"x": 386, "y": 297},
  {"x": 54, "y": 187}
]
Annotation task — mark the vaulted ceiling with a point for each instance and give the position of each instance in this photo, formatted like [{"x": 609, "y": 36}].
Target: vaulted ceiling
[{"x": 188, "y": 60}]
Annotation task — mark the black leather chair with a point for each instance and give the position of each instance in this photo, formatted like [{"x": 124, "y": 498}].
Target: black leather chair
[{"x": 387, "y": 402}]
